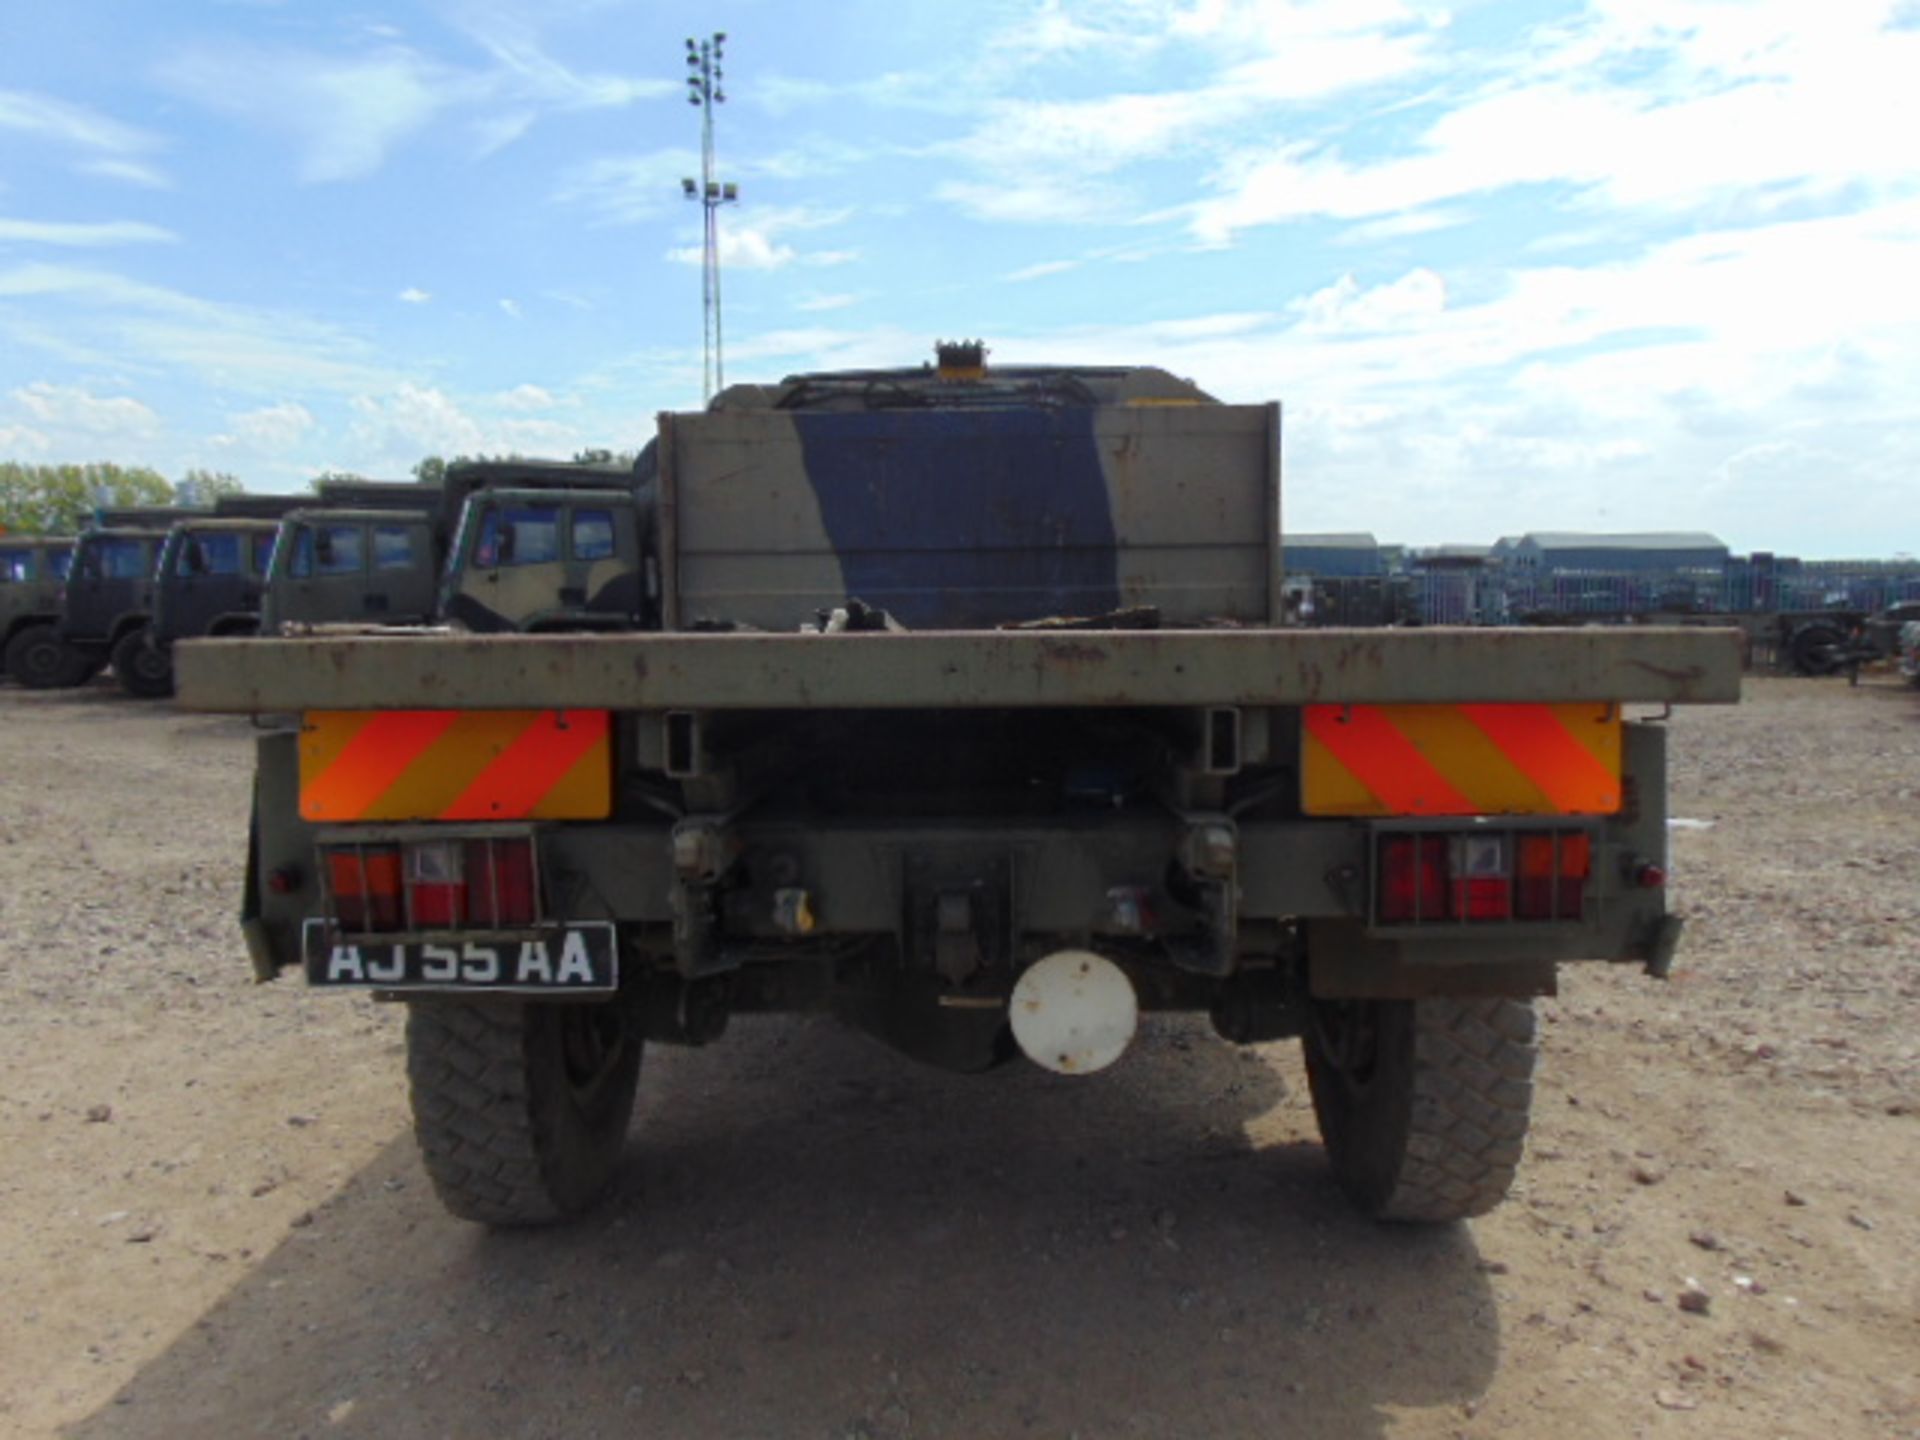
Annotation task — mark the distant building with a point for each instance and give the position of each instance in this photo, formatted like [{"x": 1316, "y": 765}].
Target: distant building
[
  {"x": 1332, "y": 556},
  {"x": 1452, "y": 557},
  {"x": 1554, "y": 551}
]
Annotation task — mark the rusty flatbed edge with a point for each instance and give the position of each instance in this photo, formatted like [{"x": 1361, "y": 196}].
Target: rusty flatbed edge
[{"x": 680, "y": 671}]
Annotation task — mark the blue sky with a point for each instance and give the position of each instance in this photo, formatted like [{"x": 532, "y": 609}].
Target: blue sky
[{"x": 1633, "y": 264}]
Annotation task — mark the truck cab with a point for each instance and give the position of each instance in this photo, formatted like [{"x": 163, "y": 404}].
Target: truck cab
[
  {"x": 208, "y": 581},
  {"x": 549, "y": 560},
  {"x": 352, "y": 566},
  {"x": 33, "y": 573},
  {"x": 108, "y": 600}
]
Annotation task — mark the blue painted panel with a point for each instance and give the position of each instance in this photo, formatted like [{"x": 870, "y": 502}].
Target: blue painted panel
[{"x": 965, "y": 519}]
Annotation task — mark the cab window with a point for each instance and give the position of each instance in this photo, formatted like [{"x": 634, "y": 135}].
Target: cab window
[
  {"x": 340, "y": 549},
  {"x": 518, "y": 535},
  {"x": 209, "y": 555},
  {"x": 119, "y": 559},
  {"x": 15, "y": 566},
  {"x": 300, "y": 562},
  {"x": 392, "y": 547},
  {"x": 592, "y": 534},
  {"x": 60, "y": 561}
]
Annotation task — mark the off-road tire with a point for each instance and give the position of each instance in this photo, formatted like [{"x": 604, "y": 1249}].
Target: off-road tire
[
  {"x": 511, "y": 1130},
  {"x": 38, "y": 659},
  {"x": 1815, "y": 649},
  {"x": 144, "y": 671},
  {"x": 1426, "y": 1120}
]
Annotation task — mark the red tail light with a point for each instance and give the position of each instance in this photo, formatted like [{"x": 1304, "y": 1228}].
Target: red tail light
[
  {"x": 502, "y": 884},
  {"x": 1482, "y": 875},
  {"x": 1413, "y": 878},
  {"x": 364, "y": 881},
  {"x": 1553, "y": 875},
  {"x": 454, "y": 884}
]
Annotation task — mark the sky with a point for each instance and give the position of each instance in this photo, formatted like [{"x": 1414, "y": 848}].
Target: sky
[{"x": 1619, "y": 265}]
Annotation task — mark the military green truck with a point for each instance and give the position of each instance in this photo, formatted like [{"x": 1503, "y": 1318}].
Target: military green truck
[
  {"x": 380, "y": 558},
  {"x": 108, "y": 597},
  {"x": 33, "y": 573},
  {"x": 208, "y": 580},
  {"x": 564, "y": 547},
  {"x": 966, "y": 711}
]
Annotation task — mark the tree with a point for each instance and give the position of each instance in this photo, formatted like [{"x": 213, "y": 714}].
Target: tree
[
  {"x": 431, "y": 471},
  {"x": 59, "y": 499},
  {"x": 203, "y": 487}
]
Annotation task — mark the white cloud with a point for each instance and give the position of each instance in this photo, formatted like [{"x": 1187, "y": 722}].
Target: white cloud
[
  {"x": 348, "y": 112},
  {"x": 345, "y": 113},
  {"x": 100, "y": 317},
  {"x": 112, "y": 147},
  {"x": 1059, "y": 161},
  {"x": 1043, "y": 269},
  {"x": 511, "y": 308},
  {"x": 628, "y": 189},
  {"x": 1673, "y": 108},
  {"x": 83, "y": 235},
  {"x": 70, "y": 124},
  {"x": 74, "y": 409},
  {"x": 414, "y": 295},
  {"x": 1344, "y": 307},
  {"x": 394, "y": 429},
  {"x": 23, "y": 439},
  {"x": 818, "y": 304},
  {"x": 133, "y": 172},
  {"x": 272, "y": 428},
  {"x": 752, "y": 241},
  {"x": 524, "y": 398}
]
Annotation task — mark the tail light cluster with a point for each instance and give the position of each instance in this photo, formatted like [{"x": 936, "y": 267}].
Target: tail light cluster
[
  {"x": 477, "y": 884},
  {"x": 1478, "y": 876}
]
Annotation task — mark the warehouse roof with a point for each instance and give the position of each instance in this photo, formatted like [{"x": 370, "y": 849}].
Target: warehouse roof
[{"x": 1651, "y": 540}]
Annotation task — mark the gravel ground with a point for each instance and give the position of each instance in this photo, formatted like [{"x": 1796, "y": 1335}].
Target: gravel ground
[{"x": 212, "y": 1221}]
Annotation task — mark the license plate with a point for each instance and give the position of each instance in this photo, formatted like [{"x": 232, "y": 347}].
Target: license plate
[{"x": 563, "y": 959}]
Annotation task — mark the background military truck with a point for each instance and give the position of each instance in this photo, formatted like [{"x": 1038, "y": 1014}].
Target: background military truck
[
  {"x": 33, "y": 573},
  {"x": 380, "y": 559},
  {"x": 968, "y": 715},
  {"x": 549, "y": 546},
  {"x": 108, "y": 597},
  {"x": 208, "y": 580}
]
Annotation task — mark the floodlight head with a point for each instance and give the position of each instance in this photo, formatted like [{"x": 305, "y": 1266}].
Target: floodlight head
[
  {"x": 687, "y": 187},
  {"x": 729, "y": 191}
]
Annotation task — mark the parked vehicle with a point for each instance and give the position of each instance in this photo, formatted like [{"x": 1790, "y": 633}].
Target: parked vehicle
[
  {"x": 959, "y": 702},
  {"x": 108, "y": 598},
  {"x": 209, "y": 580},
  {"x": 33, "y": 574}
]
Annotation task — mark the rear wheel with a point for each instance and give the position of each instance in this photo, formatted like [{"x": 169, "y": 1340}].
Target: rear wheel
[
  {"x": 1423, "y": 1104},
  {"x": 1818, "y": 648},
  {"x": 521, "y": 1109},
  {"x": 144, "y": 670},
  {"x": 40, "y": 660}
]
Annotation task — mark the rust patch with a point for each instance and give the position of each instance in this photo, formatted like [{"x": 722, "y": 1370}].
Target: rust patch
[{"x": 1071, "y": 651}]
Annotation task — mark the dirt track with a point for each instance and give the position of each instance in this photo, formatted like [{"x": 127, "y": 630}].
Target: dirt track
[{"x": 212, "y": 1221}]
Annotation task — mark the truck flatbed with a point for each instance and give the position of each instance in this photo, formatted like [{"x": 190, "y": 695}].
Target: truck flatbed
[{"x": 962, "y": 669}]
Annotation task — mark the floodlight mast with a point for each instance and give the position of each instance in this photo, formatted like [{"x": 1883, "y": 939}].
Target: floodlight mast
[{"x": 705, "y": 88}]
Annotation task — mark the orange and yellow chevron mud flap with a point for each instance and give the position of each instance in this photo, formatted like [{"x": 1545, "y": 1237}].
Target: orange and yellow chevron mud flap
[
  {"x": 360, "y": 765},
  {"x": 1367, "y": 760}
]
